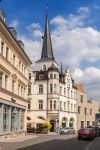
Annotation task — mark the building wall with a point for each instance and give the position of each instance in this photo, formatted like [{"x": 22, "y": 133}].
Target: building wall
[
  {"x": 53, "y": 114},
  {"x": 13, "y": 83},
  {"x": 88, "y": 115}
]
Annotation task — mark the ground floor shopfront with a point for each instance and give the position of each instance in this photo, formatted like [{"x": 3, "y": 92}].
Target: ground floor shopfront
[{"x": 12, "y": 117}]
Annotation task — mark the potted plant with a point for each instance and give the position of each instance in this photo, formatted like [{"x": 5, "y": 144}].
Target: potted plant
[{"x": 46, "y": 127}]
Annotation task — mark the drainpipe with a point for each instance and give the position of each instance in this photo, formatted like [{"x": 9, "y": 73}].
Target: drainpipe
[{"x": 47, "y": 103}]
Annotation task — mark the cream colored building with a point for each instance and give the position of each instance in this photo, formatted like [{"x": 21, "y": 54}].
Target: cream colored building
[
  {"x": 52, "y": 94},
  {"x": 86, "y": 109},
  {"x": 14, "y": 65}
]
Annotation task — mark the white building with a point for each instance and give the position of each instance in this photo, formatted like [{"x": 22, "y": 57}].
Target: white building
[{"x": 52, "y": 94}]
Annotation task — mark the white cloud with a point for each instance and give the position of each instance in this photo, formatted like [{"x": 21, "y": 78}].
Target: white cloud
[
  {"x": 14, "y": 23},
  {"x": 73, "y": 43},
  {"x": 84, "y": 10},
  {"x": 90, "y": 77}
]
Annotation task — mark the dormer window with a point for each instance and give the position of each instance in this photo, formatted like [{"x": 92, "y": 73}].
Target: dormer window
[
  {"x": 41, "y": 76},
  {"x": 44, "y": 68}
]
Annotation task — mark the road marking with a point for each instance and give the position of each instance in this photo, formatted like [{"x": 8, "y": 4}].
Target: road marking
[{"x": 89, "y": 145}]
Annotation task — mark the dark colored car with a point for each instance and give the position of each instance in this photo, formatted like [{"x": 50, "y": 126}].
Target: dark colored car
[
  {"x": 86, "y": 133},
  {"x": 96, "y": 129}
]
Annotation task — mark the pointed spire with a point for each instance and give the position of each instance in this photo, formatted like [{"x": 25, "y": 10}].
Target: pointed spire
[
  {"x": 47, "y": 51},
  {"x": 61, "y": 68}
]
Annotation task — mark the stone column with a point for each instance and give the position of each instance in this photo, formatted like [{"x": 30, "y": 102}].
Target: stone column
[
  {"x": 19, "y": 120},
  {"x": 1, "y": 118},
  {"x": 9, "y": 128}
]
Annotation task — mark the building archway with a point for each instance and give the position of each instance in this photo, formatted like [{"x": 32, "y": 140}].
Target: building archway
[
  {"x": 71, "y": 122},
  {"x": 64, "y": 122},
  {"x": 41, "y": 117}
]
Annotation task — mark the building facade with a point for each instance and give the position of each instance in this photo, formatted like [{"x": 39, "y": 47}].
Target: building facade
[
  {"x": 86, "y": 109},
  {"x": 14, "y": 65},
  {"x": 52, "y": 94}
]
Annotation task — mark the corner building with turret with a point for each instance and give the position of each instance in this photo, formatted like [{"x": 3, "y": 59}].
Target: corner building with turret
[{"x": 52, "y": 93}]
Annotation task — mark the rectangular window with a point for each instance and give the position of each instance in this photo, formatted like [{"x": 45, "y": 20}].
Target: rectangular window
[
  {"x": 74, "y": 95},
  {"x": 90, "y": 111},
  {"x": 88, "y": 123},
  {"x": 64, "y": 91},
  {"x": 55, "y": 88},
  {"x": 54, "y": 105},
  {"x": 19, "y": 90},
  {"x": 81, "y": 98},
  {"x": 82, "y": 124},
  {"x": 51, "y": 88},
  {"x": 85, "y": 110},
  {"x": 71, "y": 94},
  {"x": 29, "y": 76},
  {"x": 60, "y": 90},
  {"x": 13, "y": 86},
  {"x": 64, "y": 105},
  {"x": 29, "y": 104},
  {"x": 2, "y": 48},
  {"x": 60, "y": 105},
  {"x": 22, "y": 68},
  {"x": 74, "y": 108},
  {"x": 51, "y": 76},
  {"x": 71, "y": 107},
  {"x": 0, "y": 79},
  {"x": 29, "y": 89},
  {"x": 79, "y": 109},
  {"x": 7, "y": 52},
  {"x": 40, "y": 89},
  {"x": 5, "y": 118},
  {"x": 54, "y": 76},
  {"x": 19, "y": 65},
  {"x": 68, "y": 105},
  {"x": 14, "y": 60},
  {"x": 6, "y": 80},
  {"x": 50, "y": 104},
  {"x": 40, "y": 104},
  {"x": 68, "y": 92}
]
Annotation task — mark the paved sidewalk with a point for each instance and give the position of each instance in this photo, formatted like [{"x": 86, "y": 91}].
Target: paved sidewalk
[{"x": 18, "y": 138}]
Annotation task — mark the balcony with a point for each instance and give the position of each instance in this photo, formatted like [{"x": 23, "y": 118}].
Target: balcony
[{"x": 53, "y": 95}]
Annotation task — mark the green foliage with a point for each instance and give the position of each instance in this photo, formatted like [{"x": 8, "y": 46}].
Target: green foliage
[{"x": 46, "y": 125}]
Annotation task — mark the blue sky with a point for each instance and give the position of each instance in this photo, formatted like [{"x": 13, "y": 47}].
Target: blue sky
[{"x": 75, "y": 31}]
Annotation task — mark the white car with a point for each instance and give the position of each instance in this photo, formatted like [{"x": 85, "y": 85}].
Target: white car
[{"x": 67, "y": 130}]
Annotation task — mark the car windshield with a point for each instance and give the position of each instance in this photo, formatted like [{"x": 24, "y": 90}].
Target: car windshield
[
  {"x": 85, "y": 130},
  {"x": 67, "y": 128}
]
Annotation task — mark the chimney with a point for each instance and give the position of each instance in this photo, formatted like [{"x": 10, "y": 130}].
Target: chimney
[
  {"x": 21, "y": 44},
  {"x": 13, "y": 32},
  {"x": 2, "y": 16}
]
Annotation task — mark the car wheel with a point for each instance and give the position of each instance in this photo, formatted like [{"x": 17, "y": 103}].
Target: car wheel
[
  {"x": 79, "y": 138},
  {"x": 74, "y": 132},
  {"x": 68, "y": 132}
]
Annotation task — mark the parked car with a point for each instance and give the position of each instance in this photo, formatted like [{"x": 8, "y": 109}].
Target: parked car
[
  {"x": 86, "y": 133},
  {"x": 67, "y": 130},
  {"x": 96, "y": 129}
]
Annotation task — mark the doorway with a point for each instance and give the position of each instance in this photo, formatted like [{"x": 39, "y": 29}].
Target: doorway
[{"x": 53, "y": 128}]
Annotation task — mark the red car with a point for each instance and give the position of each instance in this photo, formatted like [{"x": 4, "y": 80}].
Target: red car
[{"x": 86, "y": 133}]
